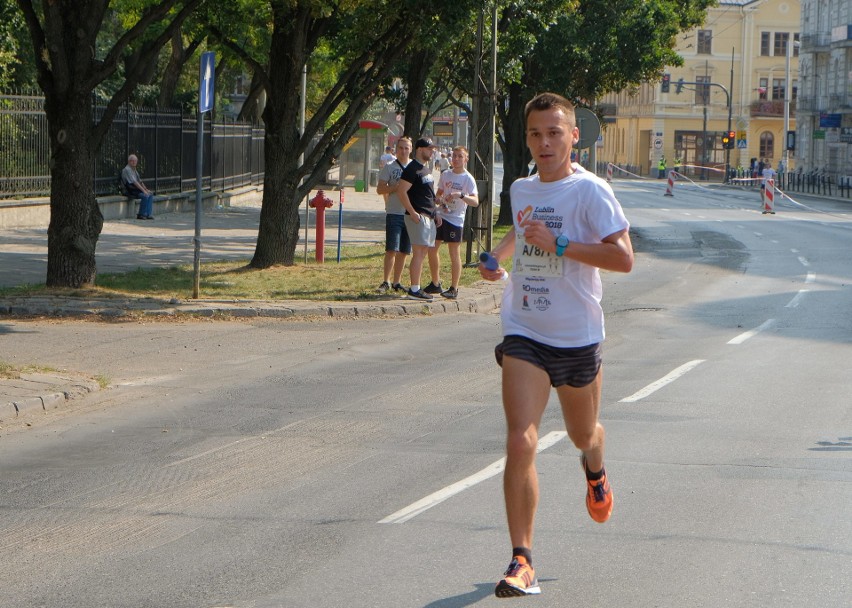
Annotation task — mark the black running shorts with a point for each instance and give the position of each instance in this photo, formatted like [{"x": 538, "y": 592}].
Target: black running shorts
[{"x": 575, "y": 367}]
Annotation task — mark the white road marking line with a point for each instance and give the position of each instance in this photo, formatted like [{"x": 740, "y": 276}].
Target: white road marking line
[
  {"x": 810, "y": 278},
  {"x": 424, "y": 504},
  {"x": 750, "y": 334},
  {"x": 804, "y": 261},
  {"x": 667, "y": 379},
  {"x": 795, "y": 301}
]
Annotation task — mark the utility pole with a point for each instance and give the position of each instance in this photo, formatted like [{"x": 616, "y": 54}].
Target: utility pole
[
  {"x": 482, "y": 127},
  {"x": 730, "y": 109}
]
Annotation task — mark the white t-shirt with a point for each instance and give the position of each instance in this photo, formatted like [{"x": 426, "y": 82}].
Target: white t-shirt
[
  {"x": 768, "y": 173},
  {"x": 456, "y": 208},
  {"x": 555, "y": 300}
]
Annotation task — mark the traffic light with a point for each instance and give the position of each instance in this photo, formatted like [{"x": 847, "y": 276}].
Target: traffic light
[
  {"x": 729, "y": 139},
  {"x": 666, "y": 83},
  {"x": 679, "y": 86}
]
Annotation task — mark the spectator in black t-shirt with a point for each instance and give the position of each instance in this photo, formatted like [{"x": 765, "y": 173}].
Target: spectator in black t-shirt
[{"x": 417, "y": 195}]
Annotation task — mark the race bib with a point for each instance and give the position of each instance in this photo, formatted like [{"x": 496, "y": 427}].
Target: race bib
[{"x": 529, "y": 260}]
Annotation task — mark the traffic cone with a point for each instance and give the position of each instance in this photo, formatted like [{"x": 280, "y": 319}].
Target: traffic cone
[
  {"x": 769, "y": 197},
  {"x": 670, "y": 185}
]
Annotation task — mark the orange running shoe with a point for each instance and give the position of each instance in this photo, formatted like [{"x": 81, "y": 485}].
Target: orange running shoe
[
  {"x": 598, "y": 496},
  {"x": 519, "y": 579}
]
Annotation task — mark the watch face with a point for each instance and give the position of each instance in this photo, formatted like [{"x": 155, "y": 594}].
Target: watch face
[{"x": 562, "y": 240}]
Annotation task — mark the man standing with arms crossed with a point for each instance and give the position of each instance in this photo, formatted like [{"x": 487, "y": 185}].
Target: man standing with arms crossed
[
  {"x": 417, "y": 195},
  {"x": 567, "y": 226},
  {"x": 397, "y": 244}
]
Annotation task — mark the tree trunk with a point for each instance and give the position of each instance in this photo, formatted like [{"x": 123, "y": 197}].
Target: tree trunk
[
  {"x": 516, "y": 155},
  {"x": 278, "y": 233},
  {"x": 75, "y": 218},
  {"x": 419, "y": 66}
]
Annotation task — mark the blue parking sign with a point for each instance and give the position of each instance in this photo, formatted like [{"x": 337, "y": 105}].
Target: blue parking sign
[{"x": 207, "y": 77}]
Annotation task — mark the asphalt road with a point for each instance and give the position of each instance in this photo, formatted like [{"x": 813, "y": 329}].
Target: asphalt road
[{"x": 265, "y": 463}]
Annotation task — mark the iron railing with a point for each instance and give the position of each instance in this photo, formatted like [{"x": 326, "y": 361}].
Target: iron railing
[{"x": 165, "y": 140}]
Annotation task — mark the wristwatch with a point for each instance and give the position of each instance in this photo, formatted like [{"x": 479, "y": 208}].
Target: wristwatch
[{"x": 561, "y": 244}]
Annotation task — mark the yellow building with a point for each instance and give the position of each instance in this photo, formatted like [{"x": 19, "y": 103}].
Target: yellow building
[{"x": 739, "y": 56}]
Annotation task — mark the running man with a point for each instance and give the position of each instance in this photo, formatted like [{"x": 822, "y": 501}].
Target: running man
[{"x": 567, "y": 225}]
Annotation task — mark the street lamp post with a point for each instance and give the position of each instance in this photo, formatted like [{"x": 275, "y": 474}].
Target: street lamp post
[{"x": 790, "y": 44}]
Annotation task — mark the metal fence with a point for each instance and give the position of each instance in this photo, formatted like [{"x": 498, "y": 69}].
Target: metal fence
[{"x": 165, "y": 141}]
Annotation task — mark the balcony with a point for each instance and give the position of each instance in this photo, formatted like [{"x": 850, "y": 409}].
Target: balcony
[
  {"x": 812, "y": 42},
  {"x": 840, "y": 101},
  {"x": 771, "y": 107}
]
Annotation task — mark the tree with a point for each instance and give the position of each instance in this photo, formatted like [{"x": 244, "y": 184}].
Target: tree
[
  {"x": 366, "y": 39},
  {"x": 596, "y": 47},
  {"x": 71, "y": 64}
]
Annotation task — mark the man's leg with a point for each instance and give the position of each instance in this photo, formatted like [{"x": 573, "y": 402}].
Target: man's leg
[
  {"x": 415, "y": 268},
  {"x": 526, "y": 389},
  {"x": 435, "y": 263},
  {"x": 390, "y": 257},
  {"x": 580, "y": 409},
  {"x": 455, "y": 263},
  {"x": 398, "y": 266}
]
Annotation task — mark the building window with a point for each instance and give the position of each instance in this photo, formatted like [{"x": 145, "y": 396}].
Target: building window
[
  {"x": 702, "y": 91},
  {"x": 764, "y": 43},
  {"x": 698, "y": 148},
  {"x": 767, "y": 145},
  {"x": 705, "y": 42},
  {"x": 795, "y": 45},
  {"x": 762, "y": 88},
  {"x": 778, "y": 86},
  {"x": 781, "y": 40}
]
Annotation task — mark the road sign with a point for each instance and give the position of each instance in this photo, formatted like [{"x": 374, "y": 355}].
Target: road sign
[
  {"x": 589, "y": 125},
  {"x": 207, "y": 77},
  {"x": 658, "y": 144}
]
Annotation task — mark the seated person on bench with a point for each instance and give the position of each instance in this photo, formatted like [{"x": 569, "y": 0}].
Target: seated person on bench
[{"x": 136, "y": 189}]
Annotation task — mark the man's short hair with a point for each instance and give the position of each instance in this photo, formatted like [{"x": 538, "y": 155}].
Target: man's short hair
[{"x": 547, "y": 101}]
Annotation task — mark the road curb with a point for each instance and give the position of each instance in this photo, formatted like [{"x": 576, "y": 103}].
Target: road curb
[
  {"x": 484, "y": 298},
  {"x": 40, "y": 392}
]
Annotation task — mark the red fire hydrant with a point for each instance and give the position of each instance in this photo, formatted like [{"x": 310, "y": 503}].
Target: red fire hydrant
[{"x": 320, "y": 202}]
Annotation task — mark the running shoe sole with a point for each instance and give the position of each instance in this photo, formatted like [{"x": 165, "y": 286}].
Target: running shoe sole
[{"x": 504, "y": 589}]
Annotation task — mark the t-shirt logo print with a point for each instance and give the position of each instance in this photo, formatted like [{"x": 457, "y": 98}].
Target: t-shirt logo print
[{"x": 525, "y": 214}]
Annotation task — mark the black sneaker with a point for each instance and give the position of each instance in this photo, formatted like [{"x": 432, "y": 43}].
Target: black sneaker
[
  {"x": 384, "y": 287},
  {"x": 452, "y": 293},
  {"x": 399, "y": 288},
  {"x": 419, "y": 295},
  {"x": 433, "y": 289}
]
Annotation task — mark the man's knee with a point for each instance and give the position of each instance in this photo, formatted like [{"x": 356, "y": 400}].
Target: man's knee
[
  {"x": 585, "y": 439},
  {"x": 522, "y": 443}
]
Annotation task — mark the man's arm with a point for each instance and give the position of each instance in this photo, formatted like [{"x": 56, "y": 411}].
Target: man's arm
[
  {"x": 503, "y": 250},
  {"x": 614, "y": 252},
  {"x": 402, "y": 192}
]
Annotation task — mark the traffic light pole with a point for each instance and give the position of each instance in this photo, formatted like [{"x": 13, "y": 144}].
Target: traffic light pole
[{"x": 678, "y": 89}]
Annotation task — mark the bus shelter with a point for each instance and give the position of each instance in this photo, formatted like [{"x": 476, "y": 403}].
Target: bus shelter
[{"x": 360, "y": 161}]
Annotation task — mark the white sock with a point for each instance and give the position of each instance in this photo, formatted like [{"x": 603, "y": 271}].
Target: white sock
[{"x": 415, "y": 288}]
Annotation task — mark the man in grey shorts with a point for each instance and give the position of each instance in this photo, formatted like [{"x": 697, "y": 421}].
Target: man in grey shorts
[{"x": 417, "y": 195}]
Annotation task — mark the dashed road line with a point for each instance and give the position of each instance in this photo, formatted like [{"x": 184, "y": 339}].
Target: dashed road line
[
  {"x": 667, "y": 379},
  {"x": 424, "y": 504}
]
